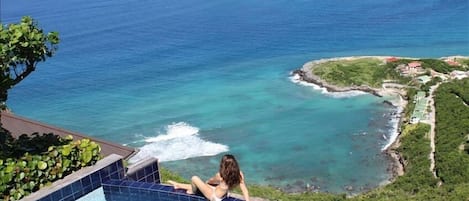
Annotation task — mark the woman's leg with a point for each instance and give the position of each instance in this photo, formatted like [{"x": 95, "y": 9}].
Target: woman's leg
[
  {"x": 206, "y": 189},
  {"x": 177, "y": 185}
]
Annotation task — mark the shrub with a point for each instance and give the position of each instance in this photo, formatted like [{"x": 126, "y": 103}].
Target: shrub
[
  {"x": 32, "y": 144},
  {"x": 21, "y": 176}
]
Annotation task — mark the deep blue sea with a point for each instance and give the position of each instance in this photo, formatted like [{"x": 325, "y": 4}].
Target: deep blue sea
[{"x": 188, "y": 81}]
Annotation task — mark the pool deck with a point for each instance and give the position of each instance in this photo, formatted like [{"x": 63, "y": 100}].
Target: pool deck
[{"x": 20, "y": 125}]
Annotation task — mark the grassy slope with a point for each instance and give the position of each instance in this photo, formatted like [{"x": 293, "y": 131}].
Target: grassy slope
[{"x": 365, "y": 71}]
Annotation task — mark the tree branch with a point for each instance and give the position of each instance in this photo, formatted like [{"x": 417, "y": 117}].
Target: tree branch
[{"x": 29, "y": 69}]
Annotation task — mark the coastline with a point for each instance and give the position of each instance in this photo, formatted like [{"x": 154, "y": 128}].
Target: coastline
[{"x": 393, "y": 97}]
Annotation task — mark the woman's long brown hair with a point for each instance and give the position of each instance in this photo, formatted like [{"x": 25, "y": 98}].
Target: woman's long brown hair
[{"x": 229, "y": 171}]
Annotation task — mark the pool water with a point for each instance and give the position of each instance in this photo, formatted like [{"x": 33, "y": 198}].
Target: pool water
[{"x": 96, "y": 195}]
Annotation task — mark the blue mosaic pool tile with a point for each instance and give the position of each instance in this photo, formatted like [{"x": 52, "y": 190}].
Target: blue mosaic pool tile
[
  {"x": 120, "y": 165},
  {"x": 86, "y": 181},
  {"x": 173, "y": 196},
  {"x": 77, "y": 194},
  {"x": 48, "y": 198},
  {"x": 68, "y": 198},
  {"x": 149, "y": 179},
  {"x": 87, "y": 189},
  {"x": 115, "y": 175},
  {"x": 146, "y": 185},
  {"x": 136, "y": 184},
  {"x": 184, "y": 198},
  {"x": 113, "y": 167},
  {"x": 56, "y": 195},
  {"x": 163, "y": 195},
  {"x": 148, "y": 173},
  {"x": 66, "y": 190},
  {"x": 105, "y": 172},
  {"x": 141, "y": 191},
  {"x": 95, "y": 180}
]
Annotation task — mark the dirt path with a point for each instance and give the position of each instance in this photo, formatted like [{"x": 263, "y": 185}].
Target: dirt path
[{"x": 432, "y": 121}]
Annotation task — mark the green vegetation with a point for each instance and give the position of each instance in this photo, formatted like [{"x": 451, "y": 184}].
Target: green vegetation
[
  {"x": 438, "y": 65},
  {"x": 414, "y": 150},
  {"x": 167, "y": 175},
  {"x": 34, "y": 144},
  {"x": 417, "y": 181},
  {"x": 453, "y": 128},
  {"x": 464, "y": 62},
  {"x": 26, "y": 163},
  {"x": 22, "y": 47},
  {"x": 365, "y": 71},
  {"x": 21, "y": 176},
  {"x": 411, "y": 92}
]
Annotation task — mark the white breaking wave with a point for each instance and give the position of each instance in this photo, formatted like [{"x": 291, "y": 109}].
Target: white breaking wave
[
  {"x": 394, "y": 130},
  {"x": 295, "y": 78},
  {"x": 346, "y": 94},
  {"x": 181, "y": 141}
]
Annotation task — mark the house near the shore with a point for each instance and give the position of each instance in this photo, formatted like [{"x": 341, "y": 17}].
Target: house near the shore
[
  {"x": 453, "y": 63},
  {"x": 414, "y": 65},
  {"x": 411, "y": 69},
  {"x": 457, "y": 74}
]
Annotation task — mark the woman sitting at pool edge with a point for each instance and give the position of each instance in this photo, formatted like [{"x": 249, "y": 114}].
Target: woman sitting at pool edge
[{"x": 216, "y": 188}]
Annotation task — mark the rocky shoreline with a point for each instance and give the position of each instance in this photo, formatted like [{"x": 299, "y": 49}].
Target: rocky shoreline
[{"x": 396, "y": 168}]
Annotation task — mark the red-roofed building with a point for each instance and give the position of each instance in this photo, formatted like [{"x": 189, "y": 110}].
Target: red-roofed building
[
  {"x": 411, "y": 69},
  {"x": 391, "y": 59},
  {"x": 414, "y": 64},
  {"x": 453, "y": 63}
]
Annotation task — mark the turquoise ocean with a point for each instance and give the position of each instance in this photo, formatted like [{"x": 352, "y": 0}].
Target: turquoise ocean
[{"x": 189, "y": 81}]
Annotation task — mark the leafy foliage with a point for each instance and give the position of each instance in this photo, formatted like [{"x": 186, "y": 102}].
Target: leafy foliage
[
  {"x": 415, "y": 149},
  {"x": 22, "y": 46},
  {"x": 21, "y": 176},
  {"x": 14, "y": 148},
  {"x": 452, "y": 128}
]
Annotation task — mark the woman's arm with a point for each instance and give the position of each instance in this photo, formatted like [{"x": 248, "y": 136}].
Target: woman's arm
[{"x": 243, "y": 187}]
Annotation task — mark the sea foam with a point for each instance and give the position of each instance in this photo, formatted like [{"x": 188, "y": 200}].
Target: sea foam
[
  {"x": 394, "y": 132},
  {"x": 181, "y": 141},
  {"x": 295, "y": 78}
]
